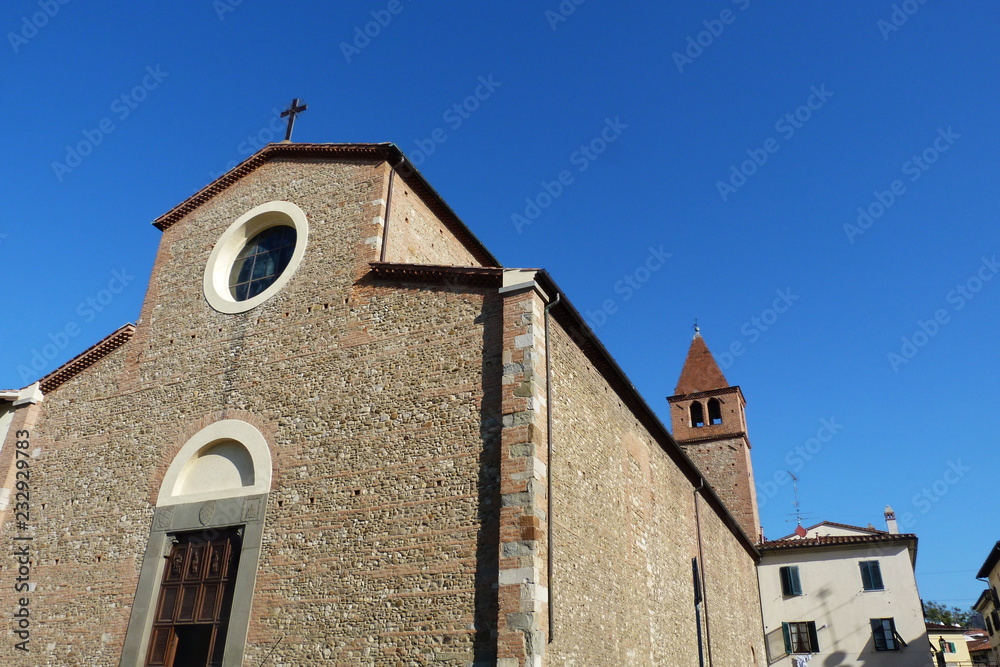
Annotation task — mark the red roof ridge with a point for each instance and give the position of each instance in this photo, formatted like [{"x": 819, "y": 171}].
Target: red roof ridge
[{"x": 87, "y": 358}]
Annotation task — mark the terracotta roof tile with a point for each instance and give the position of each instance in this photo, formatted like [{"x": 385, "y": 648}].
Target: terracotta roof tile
[
  {"x": 86, "y": 359},
  {"x": 982, "y": 645},
  {"x": 700, "y": 372},
  {"x": 834, "y": 540}
]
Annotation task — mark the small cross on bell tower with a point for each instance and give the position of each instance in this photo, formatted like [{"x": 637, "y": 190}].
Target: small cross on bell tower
[{"x": 291, "y": 112}]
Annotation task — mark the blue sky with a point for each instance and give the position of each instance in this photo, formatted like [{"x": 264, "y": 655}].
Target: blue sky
[{"x": 835, "y": 162}]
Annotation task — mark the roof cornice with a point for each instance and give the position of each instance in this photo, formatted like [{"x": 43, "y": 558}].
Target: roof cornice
[
  {"x": 86, "y": 359},
  {"x": 827, "y": 541},
  {"x": 990, "y": 562},
  {"x": 735, "y": 389},
  {"x": 425, "y": 274}
]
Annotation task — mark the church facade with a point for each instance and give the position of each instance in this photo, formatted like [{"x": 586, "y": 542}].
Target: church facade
[{"x": 340, "y": 432}]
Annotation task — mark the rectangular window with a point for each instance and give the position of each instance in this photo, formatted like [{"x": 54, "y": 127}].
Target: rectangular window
[
  {"x": 871, "y": 575},
  {"x": 800, "y": 637},
  {"x": 790, "y": 584},
  {"x": 950, "y": 647},
  {"x": 885, "y": 635}
]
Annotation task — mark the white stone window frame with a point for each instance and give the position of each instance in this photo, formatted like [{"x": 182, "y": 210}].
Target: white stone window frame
[{"x": 234, "y": 239}]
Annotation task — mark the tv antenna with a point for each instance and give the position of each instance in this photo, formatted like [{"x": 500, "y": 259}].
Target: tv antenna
[{"x": 799, "y": 530}]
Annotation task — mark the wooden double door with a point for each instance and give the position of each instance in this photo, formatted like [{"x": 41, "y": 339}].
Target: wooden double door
[{"x": 196, "y": 596}]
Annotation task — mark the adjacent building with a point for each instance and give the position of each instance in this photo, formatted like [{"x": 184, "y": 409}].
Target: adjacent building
[
  {"x": 950, "y": 644},
  {"x": 843, "y": 595},
  {"x": 988, "y": 603}
]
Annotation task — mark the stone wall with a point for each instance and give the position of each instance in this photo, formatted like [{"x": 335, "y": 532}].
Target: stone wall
[{"x": 625, "y": 534}]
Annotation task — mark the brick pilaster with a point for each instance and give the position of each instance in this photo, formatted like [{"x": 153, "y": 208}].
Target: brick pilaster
[{"x": 523, "y": 593}]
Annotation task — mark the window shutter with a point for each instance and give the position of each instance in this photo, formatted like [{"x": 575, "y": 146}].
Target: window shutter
[
  {"x": 790, "y": 584},
  {"x": 871, "y": 575},
  {"x": 813, "y": 639},
  {"x": 794, "y": 587},
  {"x": 788, "y": 637},
  {"x": 876, "y": 575},
  {"x": 996, "y": 599}
]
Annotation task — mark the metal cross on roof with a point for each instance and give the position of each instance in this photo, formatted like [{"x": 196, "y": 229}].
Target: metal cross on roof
[{"x": 291, "y": 112}]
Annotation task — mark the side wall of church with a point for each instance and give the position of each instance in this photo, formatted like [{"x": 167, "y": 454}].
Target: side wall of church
[
  {"x": 732, "y": 599},
  {"x": 378, "y": 405},
  {"x": 625, "y": 535}
]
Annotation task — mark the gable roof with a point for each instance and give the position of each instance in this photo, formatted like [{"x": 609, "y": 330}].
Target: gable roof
[
  {"x": 834, "y": 524},
  {"x": 700, "y": 372},
  {"x": 386, "y": 152}
]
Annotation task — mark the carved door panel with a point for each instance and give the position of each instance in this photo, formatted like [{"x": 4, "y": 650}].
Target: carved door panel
[{"x": 196, "y": 595}]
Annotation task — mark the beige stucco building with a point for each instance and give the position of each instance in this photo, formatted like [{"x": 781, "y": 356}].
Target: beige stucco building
[
  {"x": 340, "y": 432},
  {"x": 988, "y": 603},
  {"x": 835, "y": 594}
]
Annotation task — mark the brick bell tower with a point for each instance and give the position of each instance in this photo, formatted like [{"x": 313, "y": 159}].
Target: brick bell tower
[{"x": 708, "y": 419}]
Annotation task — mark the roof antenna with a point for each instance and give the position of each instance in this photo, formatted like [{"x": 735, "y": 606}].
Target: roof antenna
[{"x": 799, "y": 530}]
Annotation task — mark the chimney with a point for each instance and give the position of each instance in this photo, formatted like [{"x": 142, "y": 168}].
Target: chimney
[{"x": 890, "y": 521}]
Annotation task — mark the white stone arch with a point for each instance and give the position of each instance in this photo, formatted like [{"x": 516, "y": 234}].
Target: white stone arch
[{"x": 227, "y": 459}]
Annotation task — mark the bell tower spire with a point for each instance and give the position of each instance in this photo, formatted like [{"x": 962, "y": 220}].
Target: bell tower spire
[{"x": 708, "y": 419}]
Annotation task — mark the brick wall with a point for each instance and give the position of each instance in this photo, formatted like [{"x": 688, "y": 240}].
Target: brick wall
[
  {"x": 417, "y": 236},
  {"x": 727, "y": 467}
]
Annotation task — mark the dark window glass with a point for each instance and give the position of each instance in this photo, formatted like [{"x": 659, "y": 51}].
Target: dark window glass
[
  {"x": 790, "y": 584},
  {"x": 885, "y": 636},
  {"x": 261, "y": 261},
  {"x": 714, "y": 411},
  {"x": 871, "y": 575},
  {"x": 800, "y": 637}
]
